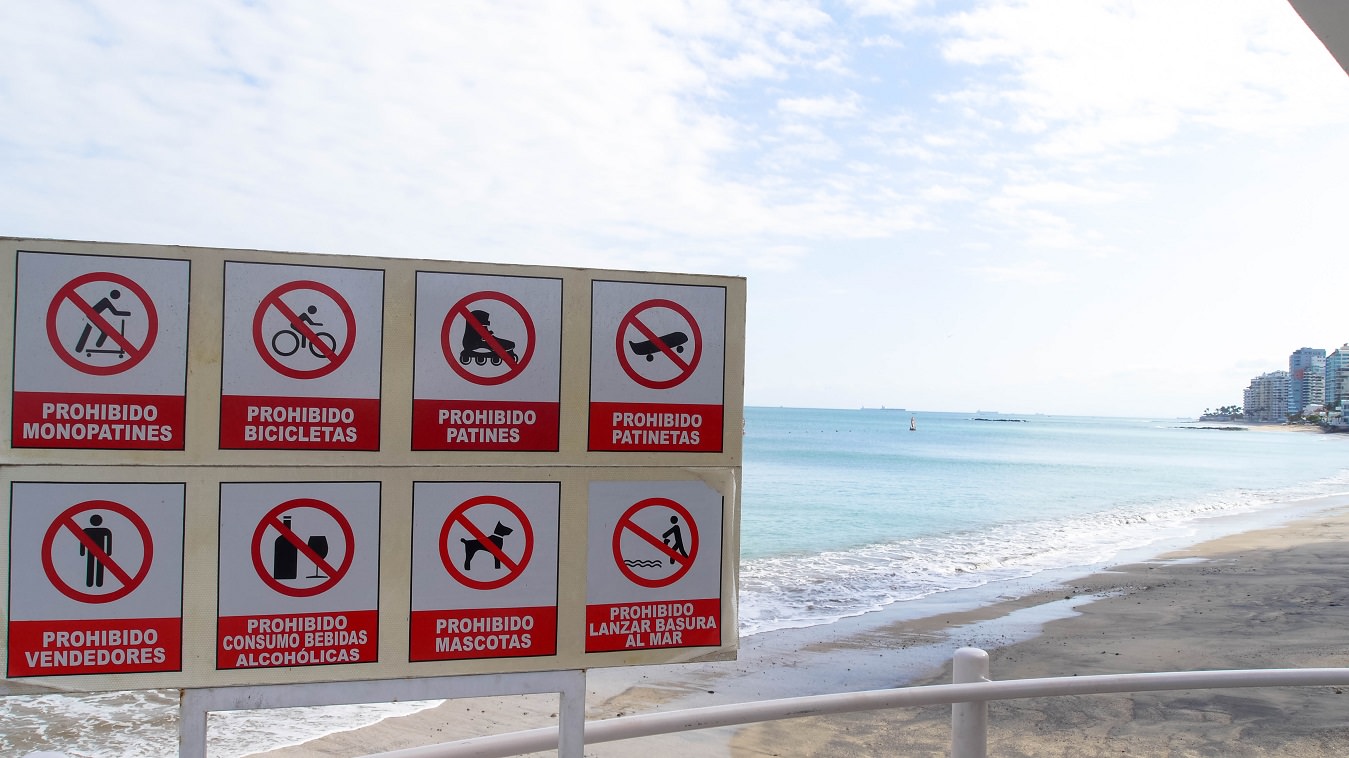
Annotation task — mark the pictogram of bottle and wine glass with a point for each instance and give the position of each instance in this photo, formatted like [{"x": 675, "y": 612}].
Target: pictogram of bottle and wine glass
[{"x": 286, "y": 554}]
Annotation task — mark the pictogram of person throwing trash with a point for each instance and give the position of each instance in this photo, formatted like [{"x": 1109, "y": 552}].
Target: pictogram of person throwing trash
[{"x": 674, "y": 539}]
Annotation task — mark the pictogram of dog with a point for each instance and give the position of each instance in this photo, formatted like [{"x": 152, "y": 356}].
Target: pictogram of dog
[{"x": 471, "y": 547}]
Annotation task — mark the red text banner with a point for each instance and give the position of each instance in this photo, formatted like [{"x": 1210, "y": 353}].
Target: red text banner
[
  {"x": 95, "y": 646},
  {"x": 98, "y": 421},
  {"x": 654, "y": 427},
  {"x": 644, "y": 626},
  {"x": 483, "y": 633},
  {"x": 302, "y": 639},
  {"x": 298, "y": 423},
  {"x": 484, "y": 425}
]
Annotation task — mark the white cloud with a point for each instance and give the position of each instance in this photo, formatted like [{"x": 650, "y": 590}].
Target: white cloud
[
  {"x": 946, "y": 193},
  {"x": 1055, "y": 192},
  {"x": 897, "y": 9},
  {"x": 1091, "y": 77},
  {"x": 1032, "y": 273},
  {"x": 829, "y": 106},
  {"x": 443, "y": 121}
]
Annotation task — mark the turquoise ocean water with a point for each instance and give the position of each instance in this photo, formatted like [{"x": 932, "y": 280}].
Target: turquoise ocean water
[{"x": 848, "y": 511}]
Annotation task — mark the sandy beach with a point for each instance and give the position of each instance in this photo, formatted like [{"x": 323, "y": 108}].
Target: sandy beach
[
  {"x": 1275, "y": 598},
  {"x": 1271, "y": 598}
]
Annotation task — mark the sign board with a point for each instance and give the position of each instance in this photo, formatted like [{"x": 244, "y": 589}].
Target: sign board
[
  {"x": 243, "y": 467},
  {"x": 96, "y": 573},
  {"x": 653, "y": 575},
  {"x": 299, "y": 568},
  {"x": 484, "y": 570},
  {"x": 99, "y": 352},
  {"x": 300, "y": 366},
  {"x": 488, "y": 363},
  {"x": 657, "y": 364}
]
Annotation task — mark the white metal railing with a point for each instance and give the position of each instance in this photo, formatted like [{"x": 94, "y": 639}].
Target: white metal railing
[
  {"x": 194, "y": 705},
  {"x": 968, "y": 695}
]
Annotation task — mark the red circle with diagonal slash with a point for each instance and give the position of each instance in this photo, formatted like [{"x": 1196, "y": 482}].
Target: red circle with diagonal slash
[
  {"x": 67, "y": 520},
  {"x": 631, "y": 320},
  {"x": 625, "y": 523},
  {"x": 460, "y": 516},
  {"x": 135, "y": 353},
  {"x": 461, "y": 310},
  {"x": 334, "y": 358},
  {"x": 334, "y": 573}
]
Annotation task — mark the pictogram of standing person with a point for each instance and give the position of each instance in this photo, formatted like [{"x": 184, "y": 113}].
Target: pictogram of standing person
[
  {"x": 674, "y": 538},
  {"x": 102, "y": 306},
  {"x": 101, "y": 536}
]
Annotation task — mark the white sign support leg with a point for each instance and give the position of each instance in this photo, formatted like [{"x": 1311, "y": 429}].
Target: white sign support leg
[
  {"x": 195, "y": 704},
  {"x": 571, "y": 725}
]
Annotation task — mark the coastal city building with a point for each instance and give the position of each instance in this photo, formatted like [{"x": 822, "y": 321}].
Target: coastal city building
[
  {"x": 1306, "y": 380},
  {"x": 1266, "y": 399},
  {"x": 1337, "y": 377}
]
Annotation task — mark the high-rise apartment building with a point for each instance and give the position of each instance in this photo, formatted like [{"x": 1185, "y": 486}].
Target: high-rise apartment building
[
  {"x": 1266, "y": 399},
  {"x": 1337, "y": 377},
  {"x": 1306, "y": 379}
]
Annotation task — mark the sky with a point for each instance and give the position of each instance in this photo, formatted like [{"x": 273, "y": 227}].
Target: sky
[{"x": 1087, "y": 207}]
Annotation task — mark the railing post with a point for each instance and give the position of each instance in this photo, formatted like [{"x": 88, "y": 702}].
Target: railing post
[
  {"x": 969, "y": 721},
  {"x": 571, "y": 722},
  {"x": 191, "y": 725}
]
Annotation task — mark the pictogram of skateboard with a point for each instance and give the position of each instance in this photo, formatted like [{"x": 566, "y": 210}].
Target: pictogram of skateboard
[{"x": 649, "y": 348}]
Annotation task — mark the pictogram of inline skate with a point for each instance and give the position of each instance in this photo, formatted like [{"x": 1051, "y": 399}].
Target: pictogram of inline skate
[{"x": 476, "y": 348}]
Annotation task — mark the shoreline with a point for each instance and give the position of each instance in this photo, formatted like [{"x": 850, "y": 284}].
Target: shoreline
[
  {"x": 1256, "y": 426},
  {"x": 1030, "y": 630},
  {"x": 1270, "y": 598}
]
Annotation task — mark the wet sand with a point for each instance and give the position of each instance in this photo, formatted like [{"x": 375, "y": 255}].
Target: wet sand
[{"x": 1273, "y": 598}]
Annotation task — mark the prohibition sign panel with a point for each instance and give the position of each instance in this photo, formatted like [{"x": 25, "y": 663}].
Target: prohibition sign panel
[
  {"x": 484, "y": 570},
  {"x": 89, "y": 558},
  {"x": 301, "y": 358},
  {"x": 487, "y": 363},
  {"x": 100, "y": 352},
  {"x": 654, "y": 564},
  {"x": 299, "y": 574},
  {"x": 657, "y": 367}
]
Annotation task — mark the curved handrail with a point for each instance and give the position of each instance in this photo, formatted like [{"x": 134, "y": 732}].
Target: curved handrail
[{"x": 649, "y": 724}]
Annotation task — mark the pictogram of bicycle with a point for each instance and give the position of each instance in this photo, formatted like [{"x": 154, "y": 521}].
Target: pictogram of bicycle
[{"x": 289, "y": 341}]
